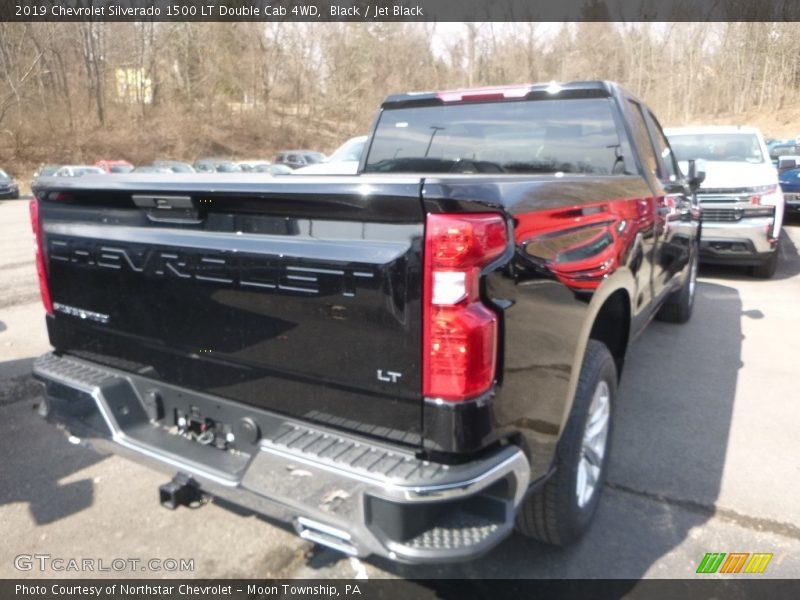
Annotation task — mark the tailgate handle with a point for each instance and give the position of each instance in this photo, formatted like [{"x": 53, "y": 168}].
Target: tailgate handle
[
  {"x": 169, "y": 209},
  {"x": 163, "y": 202}
]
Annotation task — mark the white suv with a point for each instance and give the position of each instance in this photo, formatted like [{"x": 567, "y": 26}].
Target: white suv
[{"x": 740, "y": 199}]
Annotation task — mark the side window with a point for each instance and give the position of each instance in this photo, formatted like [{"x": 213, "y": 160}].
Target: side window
[
  {"x": 642, "y": 138},
  {"x": 668, "y": 167}
]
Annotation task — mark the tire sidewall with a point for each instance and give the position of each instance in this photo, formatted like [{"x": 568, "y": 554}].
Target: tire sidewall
[
  {"x": 694, "y": 268},
  {"x": 768, "y": 268},
  {"x": 579, "y": 517}
]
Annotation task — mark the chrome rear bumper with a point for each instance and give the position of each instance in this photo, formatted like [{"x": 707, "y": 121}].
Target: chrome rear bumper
[{"x": 351, "y": 493}]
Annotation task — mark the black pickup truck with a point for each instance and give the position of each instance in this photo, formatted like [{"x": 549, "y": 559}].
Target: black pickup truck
[{"x": 409, "y": 362}]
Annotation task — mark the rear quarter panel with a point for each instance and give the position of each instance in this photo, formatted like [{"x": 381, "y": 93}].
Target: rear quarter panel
[{"x": 577, "y": 240}]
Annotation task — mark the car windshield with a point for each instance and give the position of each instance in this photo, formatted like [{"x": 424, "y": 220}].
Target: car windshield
[
  {"x": 88, "y": 171},
  {"x": 350, "y": 150},
  {"x": 540, "y": 136},
  {"x": 724, "y": 147},
  {"x": 4, "y": 175},
  {"x": 121, "y": 169}
]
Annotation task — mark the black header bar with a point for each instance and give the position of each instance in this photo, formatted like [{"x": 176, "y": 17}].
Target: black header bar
[
  {"x": 731, "y": 588},
  {"x": 400, "y": 10}
]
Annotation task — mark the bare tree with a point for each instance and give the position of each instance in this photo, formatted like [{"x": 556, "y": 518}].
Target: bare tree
[{"x": 250, "y": 88}]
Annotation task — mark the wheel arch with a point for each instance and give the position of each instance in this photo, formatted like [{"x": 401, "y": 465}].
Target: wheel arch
[
  {"x": 612, "y": 325},
  {"x": 607, "y": 320}
]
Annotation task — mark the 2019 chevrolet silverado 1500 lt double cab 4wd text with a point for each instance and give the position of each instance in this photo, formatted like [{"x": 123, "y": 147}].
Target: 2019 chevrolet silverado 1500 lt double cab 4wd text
[
  {"x": 406, "y": 362},
  {"x": 741, "y": 201}
]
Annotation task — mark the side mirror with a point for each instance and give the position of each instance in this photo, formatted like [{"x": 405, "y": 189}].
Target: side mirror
[
  {"x": 784, "y": 164},
  {"x": 697, "y": 174}
]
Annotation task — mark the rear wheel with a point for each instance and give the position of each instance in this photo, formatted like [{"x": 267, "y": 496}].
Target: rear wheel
[
  {"x": 677, "y": 308},
  {"x": 766, "y": 269},
  {"x": 562, "y": 510}
]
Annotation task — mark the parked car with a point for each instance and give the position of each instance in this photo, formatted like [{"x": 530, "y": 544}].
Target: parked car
[
  {"x": 298, "y": 158},
  {"x": 273, "y": 169},
  {"x": 250, "y": 166},
  {"x": 790, "y": 185},
  {"x": 777, "y": 142},
  {"x": 216, "y": 165},
  {"x": 46, "y": 171},
  {"x": 114, "y": 166},
  {"x": 740, "y": 199},
  {"x": 152, "y": 169},
  {"x": 343, "y": 161},
  {"x": 8, "y": 187},
  {"x": 407, "y": 362},
  {"x": 174, "y": 165},
  {"x": 786, "y": 148},
  {"x": 78, "y": 171}
]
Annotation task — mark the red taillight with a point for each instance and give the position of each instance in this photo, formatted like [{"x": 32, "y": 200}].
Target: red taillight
[
  {"x": 41, "y": 267},
  {"x": 459, "y": 332}
]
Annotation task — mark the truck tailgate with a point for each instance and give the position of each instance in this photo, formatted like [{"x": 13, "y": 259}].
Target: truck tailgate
[{"x": 300, "y": 297}]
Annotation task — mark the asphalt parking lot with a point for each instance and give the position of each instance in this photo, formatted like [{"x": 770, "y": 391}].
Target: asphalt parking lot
[{"x": 705, "y": 458}]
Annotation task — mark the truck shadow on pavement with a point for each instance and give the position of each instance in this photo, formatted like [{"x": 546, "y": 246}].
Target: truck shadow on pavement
[
  {"x": 38, "y": 482},
  {"x": 672, "y": 421}
]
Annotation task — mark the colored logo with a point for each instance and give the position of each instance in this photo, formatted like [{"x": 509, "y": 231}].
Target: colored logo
[{"x": 735, "y": 562}]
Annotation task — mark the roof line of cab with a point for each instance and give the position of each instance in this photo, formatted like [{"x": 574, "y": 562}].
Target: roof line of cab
[{"x": 528, "y": 91}]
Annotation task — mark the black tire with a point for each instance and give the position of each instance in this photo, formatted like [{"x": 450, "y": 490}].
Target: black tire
[
  {"x": 677, "y": 308},
  {"x": 553, "y": 514},
  {"x": 766, "y": 269}
]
